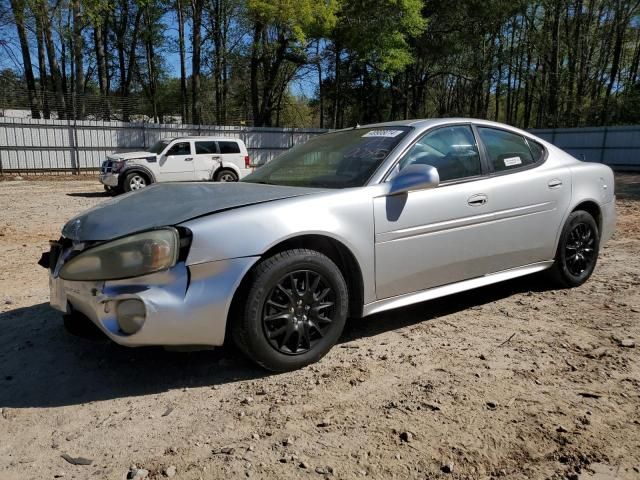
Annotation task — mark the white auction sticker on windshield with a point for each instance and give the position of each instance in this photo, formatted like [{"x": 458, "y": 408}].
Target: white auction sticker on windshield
[
  {"x": 383, "y": 133},
  {"x": 511, "y": 161}
]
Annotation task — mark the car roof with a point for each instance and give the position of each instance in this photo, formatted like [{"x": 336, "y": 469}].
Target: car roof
[
  {"x": 423, "y": 123},
  {"x": 205, "y": 138}
]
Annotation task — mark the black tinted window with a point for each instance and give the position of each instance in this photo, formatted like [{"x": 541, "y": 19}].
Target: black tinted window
[
  {"x": 229, "y": 147},
  {"x": 506, "y": 150},
  {"x": 206, "y": 147},
  {"x": 182, "y": 148},
  {"x": 452, "y": 150}
]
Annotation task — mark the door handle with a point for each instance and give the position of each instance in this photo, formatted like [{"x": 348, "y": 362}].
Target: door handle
[
  {"x": 188, "y": 159},
  {"x": 555, "y": 183},
  {"x": 478, "y": 200},
  {"x": 215, "y": 157}
]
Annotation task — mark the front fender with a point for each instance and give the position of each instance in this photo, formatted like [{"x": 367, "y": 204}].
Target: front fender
[
  {"x": 345, "y": 216},
  {"x": 135, "y": 168}
]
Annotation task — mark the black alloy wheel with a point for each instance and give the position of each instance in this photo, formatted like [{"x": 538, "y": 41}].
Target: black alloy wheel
[
  {"x": 298, "y": 312},
  {"x": 580, "y": 248},
  {"x": 290, "y": 310},
  {"x": 577, "y": 252}
]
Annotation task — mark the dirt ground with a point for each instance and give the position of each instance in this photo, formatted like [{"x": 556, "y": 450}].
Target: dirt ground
[{"x": 513, "y": 381}]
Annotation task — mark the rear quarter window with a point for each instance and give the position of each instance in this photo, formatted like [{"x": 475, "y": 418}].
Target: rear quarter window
[
  {"x": 537, "y": 150},
  {"x": 506, "y": 150},
  {"x": 229, "y": 147}
]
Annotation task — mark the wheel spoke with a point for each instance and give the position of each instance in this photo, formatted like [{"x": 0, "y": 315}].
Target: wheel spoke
[
  {"x": 323, "y": 294},
  {"x": 277, "y": 332},
  {"x": 287, "y": 336},
  {"x": 315, "y": 326},
  {"x": 287, "y": 292},
  {"x": 277, "y": 316},
  {"x": 273, "y": 303},
  {"x": 305, "y": 336}
]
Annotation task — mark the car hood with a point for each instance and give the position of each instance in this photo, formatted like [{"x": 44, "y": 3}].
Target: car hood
[
  {"x": 165, "y": 204},
  {"x": 130, "y": 155}
]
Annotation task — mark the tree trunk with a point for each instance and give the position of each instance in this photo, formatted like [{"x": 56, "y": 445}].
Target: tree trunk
[
  {"x": 78, "y": 59},
  {"x": 101, "y": 61},
  {"x": 44, "y": 83},
  {"x": 18, "y": 13},
  {"x": 45, "y": 24},
  {"x": 253, "y": 67},
  {"x": 553, "y": 67},
  {"x": 183, "y": 71},
  {"x": 336, "y": 87},
  {"x": 196, "y": 44}
]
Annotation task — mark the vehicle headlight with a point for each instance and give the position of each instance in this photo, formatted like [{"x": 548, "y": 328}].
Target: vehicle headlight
[
  {"x": 117, "y": 165},
  {"x": 128, "y": 257}
]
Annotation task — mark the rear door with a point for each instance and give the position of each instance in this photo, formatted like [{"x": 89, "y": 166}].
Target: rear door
[
  {"x": 206, "y": 159},
  {"x": 231, "y": 154},
  {"x": 528, "y": 201},
  {"x": 177, "y": 163}
]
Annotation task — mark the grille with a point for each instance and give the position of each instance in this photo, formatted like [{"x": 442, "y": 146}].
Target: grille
[{"x": 107, "y": 166}]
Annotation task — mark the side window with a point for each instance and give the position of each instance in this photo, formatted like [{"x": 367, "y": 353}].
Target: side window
[
  {"x": 506, "y": 150},
  {"x": 536, "y": 149},
  {"x": 452, "y": 150},
  {"x": 229, "y": 147},
  {"x": 203, "y": 148},
  {"x": 181, "y": 148}
]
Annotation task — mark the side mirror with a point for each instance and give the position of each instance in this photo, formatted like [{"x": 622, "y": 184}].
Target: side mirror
[{"x": 414, "y": 177}]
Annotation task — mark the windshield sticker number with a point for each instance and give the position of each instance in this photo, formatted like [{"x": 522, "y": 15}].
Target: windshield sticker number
[
  {"x": 383, "y": 133},
  {"x": 511, "y": 161}
]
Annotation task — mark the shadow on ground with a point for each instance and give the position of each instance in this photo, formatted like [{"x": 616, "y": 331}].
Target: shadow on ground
[
  {"x": 90, "y": 194},
  {"x": 41, "y": 365}
]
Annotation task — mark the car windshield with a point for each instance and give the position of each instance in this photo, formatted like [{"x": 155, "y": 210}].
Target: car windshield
[
  {"x": 159, "y": 147},
  {"x": 343, "y": 159}
]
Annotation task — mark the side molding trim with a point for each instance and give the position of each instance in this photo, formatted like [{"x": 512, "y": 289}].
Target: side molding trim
[{"x": 437, "y": 292}]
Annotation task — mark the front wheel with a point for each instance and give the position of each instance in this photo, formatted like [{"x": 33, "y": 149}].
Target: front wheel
[
  {"x": 294, "y": 310},
  {"x": 135, "y": 181},
  {"x": 578, "y": 249}
]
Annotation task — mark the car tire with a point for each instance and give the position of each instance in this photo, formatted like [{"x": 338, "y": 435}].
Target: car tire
[
  {"x": 226, "y": 175},
  {"x": 291, "y": 311},
  {"x": 577, "y": 252},
  {"x": 135, "y": 181}
]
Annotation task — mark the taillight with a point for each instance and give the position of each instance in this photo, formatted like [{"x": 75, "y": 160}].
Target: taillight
[{"x": 247, "y": 161}]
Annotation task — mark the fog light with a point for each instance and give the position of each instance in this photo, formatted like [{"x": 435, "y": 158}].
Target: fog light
[{"x": 131, "y": 315}]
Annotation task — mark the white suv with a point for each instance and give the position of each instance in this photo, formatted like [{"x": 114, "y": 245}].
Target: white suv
[{"x": 175, "y": 160}]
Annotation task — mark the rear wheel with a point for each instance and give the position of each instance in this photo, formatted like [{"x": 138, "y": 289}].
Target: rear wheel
[
  {"x": 294, "y": 311},
  {"x": 226, "y": 175},
  {"x": 577, "y": 250},
  {"x": 135, "y": 181}
]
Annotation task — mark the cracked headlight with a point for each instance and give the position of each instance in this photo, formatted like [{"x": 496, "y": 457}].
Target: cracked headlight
[{"x": 127, "y": 257}]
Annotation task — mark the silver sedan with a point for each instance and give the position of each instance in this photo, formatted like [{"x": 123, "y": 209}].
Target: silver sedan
[{"x": 349, "y": 224}]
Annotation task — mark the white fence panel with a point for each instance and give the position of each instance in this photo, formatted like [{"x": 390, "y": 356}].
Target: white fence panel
[{"x": 28, "y": 145}]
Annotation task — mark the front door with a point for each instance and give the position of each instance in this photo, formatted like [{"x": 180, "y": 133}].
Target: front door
[
  {"x": 433, "y": 237},
  {"x": 176, "y": 164}
]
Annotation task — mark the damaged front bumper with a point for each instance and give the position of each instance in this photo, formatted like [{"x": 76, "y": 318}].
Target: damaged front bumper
[
  {"x": 184, "y": 305},
  {"x": 109, "y": 179}
]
